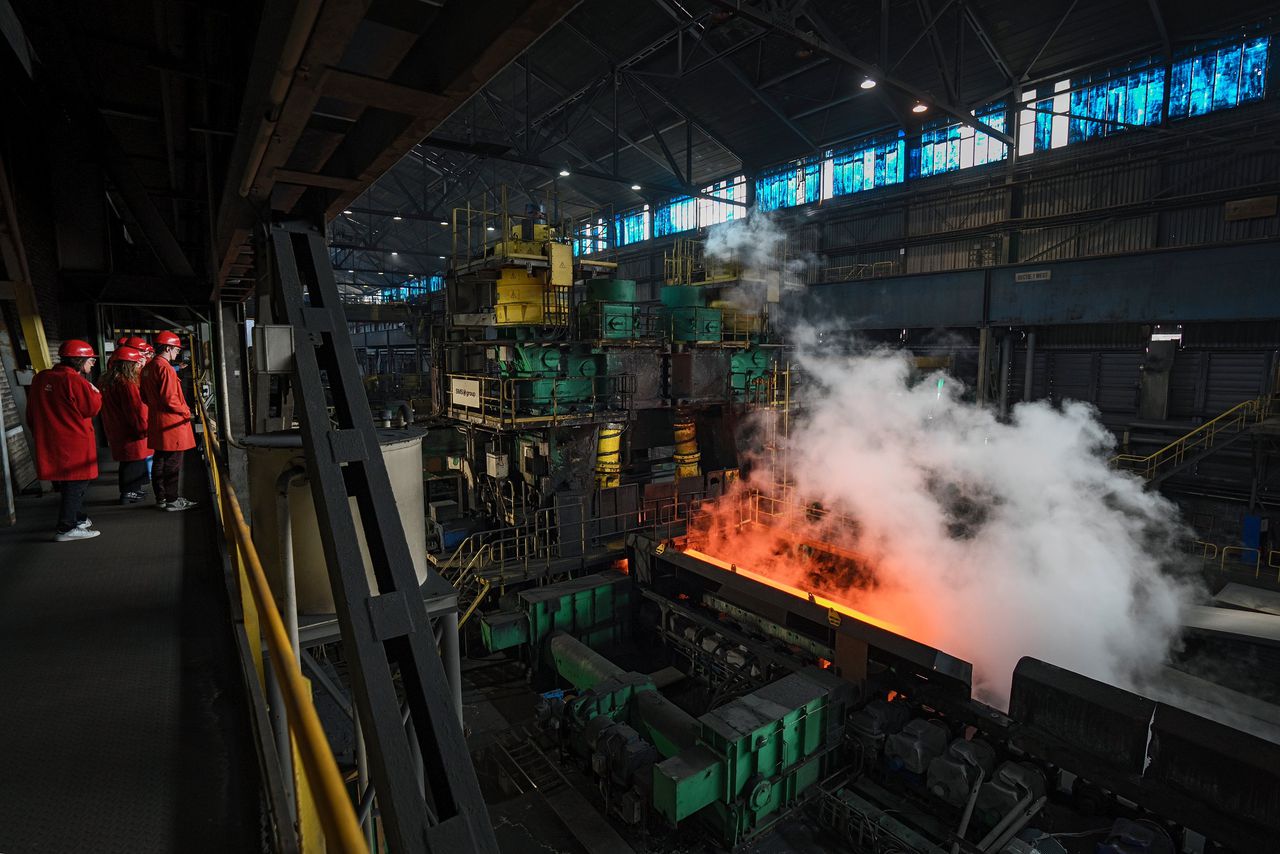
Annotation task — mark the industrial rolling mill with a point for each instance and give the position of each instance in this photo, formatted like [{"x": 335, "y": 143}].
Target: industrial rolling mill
[{"x": 580, "y": 430}]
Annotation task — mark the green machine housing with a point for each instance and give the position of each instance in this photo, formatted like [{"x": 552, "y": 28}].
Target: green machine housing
[
  {"x": 686, "y": 318},
  {"x": 592, "y": 608},
  {"x": 609, "y": 312},
  {"x": 757, "y": 755},
  {"x": 553, "y": 380}
]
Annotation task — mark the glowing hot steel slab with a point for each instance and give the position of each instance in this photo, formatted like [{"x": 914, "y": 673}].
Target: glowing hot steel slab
[{"x": 829, "y": 604}]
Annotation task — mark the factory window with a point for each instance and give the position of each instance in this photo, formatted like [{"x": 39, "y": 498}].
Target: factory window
[
  {"x": 712, "y": 212},
  {"x": 864, "y": 166},
  {"x": 632, "y": 226},
  {"x": 797, "y": 183},
  {"x": 591, "y": 237},
  {"x": 951, "y": 146},
  {"x": 1218, "y": 79},
  {"x": 675, "y": 215},
  {"x": 1091, "y": 108}
]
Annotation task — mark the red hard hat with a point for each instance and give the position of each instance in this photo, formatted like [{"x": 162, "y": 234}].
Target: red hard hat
[
  {"x": 122, "y": 341},
  {"x": 75, "y": 348},
  {"x": 137, "y": 343},
  {"x": 128, "y": 354},
  {"x": 168, "y": 339}
]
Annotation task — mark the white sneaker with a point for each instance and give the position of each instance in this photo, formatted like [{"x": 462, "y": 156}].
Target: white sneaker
[
  {"x": 179, "y": 504},
  {"x": 75, "y": 534},
  {"x": 162, "y": 505},
  {"x": 85, "y": 525}
]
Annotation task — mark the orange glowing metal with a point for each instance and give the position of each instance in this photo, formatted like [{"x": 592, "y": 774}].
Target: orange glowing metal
[{"x": 802, "y": 594}]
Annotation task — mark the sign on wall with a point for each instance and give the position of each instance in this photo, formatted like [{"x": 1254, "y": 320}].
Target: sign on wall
[{"x": 464, "y": 392}]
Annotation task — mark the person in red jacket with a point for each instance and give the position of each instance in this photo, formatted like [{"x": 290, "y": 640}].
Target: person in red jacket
[
  {"x": 60, "y": 410},
  {"x": 148, "y": 353},
  {"x": 168, "y": 422},
  {"x": 124, "y": 418}
]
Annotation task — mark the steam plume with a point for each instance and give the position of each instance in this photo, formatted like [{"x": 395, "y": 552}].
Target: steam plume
[{"x": 986, "y": 539}]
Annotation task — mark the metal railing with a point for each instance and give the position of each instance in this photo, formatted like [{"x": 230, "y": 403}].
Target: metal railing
[
  {"x": 510, "y": 402},
  {"x": 326, "y": 819},
  {"x": 484, "y": 560},
  {"x": 1246, "y": 556},
  {"x": 1233, "y": 421}
]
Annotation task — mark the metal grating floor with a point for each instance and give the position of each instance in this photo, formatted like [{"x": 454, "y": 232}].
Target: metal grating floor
[{"x": 121, "y": 701}]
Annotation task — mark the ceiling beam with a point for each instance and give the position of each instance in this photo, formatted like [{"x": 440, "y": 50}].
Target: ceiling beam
[
  {"x": 761, "y": 18},
  {"x": 1158, "y": 16}
]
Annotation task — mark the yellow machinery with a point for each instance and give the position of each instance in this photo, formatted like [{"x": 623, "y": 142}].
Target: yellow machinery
[
  {"x": 609, "y": 456},
  {"x": 687, "y": 456}
]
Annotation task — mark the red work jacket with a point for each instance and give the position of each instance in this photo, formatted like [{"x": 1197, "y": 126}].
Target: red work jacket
[
  {"x": 60, "y": 409},
  {"x": 124, "y": 418},
  {"x": 168, "y": 416}
]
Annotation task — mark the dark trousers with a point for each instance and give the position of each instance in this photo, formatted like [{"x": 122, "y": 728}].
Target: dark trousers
[
  {"x": 164, "y": 474},
  {"x": 69, "y": 514},
  {"x": 133, "y": 476}
]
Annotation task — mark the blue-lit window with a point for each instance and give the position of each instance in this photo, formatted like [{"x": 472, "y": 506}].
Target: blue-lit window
[
  {"x": 713, "y": 212},
  {"x": 949, "y": 147},
  {"x": 1091, "y": 108},
  {"x": 591, "y": 237},
  {"x": 632, "y": 226},
  {"x": 676, "y": 215},
  {"x": 864, "y": 166},
  {"x": 1219, "y": 79},
  {"x": 796, "y": 183}
]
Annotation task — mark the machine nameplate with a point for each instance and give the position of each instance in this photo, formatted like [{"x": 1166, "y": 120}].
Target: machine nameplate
[{"x": 464, "y": 392}]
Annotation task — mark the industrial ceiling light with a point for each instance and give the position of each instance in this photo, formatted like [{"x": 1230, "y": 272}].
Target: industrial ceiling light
[
  {"x": 919, "y": 107},
  {"x": 488, "y": 228},
  {"x": 348, "y": 213},
  {"x": 351, "y": 271},
  {"x": 397, "y": 217},
  {"x": 635, "y": 186},
  {"x": 867, "y": 83},
  {"x": 564, "y": 172},
  {"x": 394, "y": 252},
  {"x": 380, "y": 273},
  {"x": 444, "y": 222},
  {"x": 441, "y": 257}
]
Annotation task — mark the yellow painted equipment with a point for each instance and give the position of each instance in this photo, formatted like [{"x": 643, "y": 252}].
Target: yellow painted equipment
[
  {"x": 686, "y": 455},
  {"x": 520, "y": 297},
  {"x": 609, "y": 456}
]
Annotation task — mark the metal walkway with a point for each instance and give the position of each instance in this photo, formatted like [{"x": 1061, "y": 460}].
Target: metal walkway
[{"x": 121, "y": 698}]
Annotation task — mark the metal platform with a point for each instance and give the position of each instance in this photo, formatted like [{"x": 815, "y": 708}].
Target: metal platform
[{"x": 122, "y": 701}]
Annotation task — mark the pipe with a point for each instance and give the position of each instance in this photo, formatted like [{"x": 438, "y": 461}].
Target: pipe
[
  {"x": 1006, "y": 356},
  {"x": 363, "y": 788},
  {"x": 1017, "y": 825},
  {"x": 1005, "y": 822},
  {"x": 278, "y": 439},
  {"x": 224, "y": 401},
  {"x": 968, "y": 811},
  {"x": 304, "y": 20},
  {"x": 686, "y": 453},
  {"x": 10, "y": 510},
  {"x": 449, "y": 650},
  {"x": 1031, "y": 364},
  {"x": 284, "y": 745},
  {"x": 284, "y": 524},
  {"x": 609, "y": 456}
]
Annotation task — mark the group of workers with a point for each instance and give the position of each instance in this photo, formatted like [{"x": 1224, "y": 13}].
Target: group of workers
[{"x": 144, "y": 414}]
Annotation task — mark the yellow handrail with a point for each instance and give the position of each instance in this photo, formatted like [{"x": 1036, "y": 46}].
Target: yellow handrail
[
  {"x": 1204, "y": 435},
  {"x": 322, "y": 780}
]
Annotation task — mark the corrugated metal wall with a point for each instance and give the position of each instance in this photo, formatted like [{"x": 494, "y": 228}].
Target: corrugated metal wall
[{"x": 1129, "y": 193}]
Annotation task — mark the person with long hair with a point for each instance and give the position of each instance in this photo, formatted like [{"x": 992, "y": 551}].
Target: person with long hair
[
  {"x": 148, "y": 352},
  {"x": 124, "y": 418}
]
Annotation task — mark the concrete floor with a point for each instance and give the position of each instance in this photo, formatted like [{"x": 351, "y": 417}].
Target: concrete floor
[{"x": 120, "y": 695}]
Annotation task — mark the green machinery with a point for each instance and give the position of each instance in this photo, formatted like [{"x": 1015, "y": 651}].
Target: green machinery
[
  {"x": 746, "y": 369},
  {"x": 555, "y": 379},
  {"x": 590, "y": 607},
  {"x": 609, "y": 313},
  {"x": 686, "y": 318},
  {"x": 736, "y": 769}
]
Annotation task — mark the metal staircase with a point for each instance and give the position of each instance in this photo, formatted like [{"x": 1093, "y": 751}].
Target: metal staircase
[{"x": 1205, "y": 440}]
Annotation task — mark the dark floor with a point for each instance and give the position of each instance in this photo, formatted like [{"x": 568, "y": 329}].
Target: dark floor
[{"x": 121, "y": 704}]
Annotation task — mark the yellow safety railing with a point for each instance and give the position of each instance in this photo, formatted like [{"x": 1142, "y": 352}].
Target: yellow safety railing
[
  {"x": 1245, "y": 556},
  {"x": 1233, "y": 420},
  {"x": 326, "y": 818}
]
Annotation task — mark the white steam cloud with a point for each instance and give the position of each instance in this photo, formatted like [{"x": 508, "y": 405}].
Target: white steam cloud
[
  {"x": 759, "y": 247},
  {"x": 989, "y": 540}
]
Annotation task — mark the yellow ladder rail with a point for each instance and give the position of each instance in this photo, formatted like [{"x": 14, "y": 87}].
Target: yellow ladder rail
[{"x": 1233, "y": 420}]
